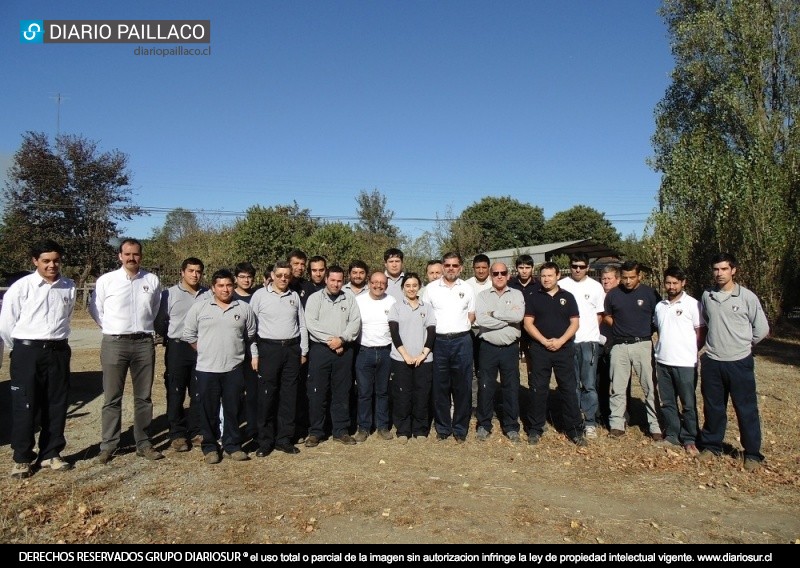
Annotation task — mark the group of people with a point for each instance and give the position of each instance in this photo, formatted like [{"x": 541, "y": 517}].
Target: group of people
[{"x": 347, "y": 354}]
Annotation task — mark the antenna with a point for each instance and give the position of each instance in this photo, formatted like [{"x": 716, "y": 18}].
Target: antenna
[{"x": 58, "y": 98}]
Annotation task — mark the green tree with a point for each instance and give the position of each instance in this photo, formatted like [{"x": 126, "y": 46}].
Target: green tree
[
  {"x": 374, "y": 218},
  {"x": 495, "y": 223},
  {"x": 267, "y": 234},
  {"x": 728, "y": 145},
  {"x": 581, "y": 222},
  {"x": 337, "y": 242},
  {"x": 69, "y": 192}
]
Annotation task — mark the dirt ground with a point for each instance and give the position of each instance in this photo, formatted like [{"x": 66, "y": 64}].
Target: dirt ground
[{"x": 614, "y": 491}]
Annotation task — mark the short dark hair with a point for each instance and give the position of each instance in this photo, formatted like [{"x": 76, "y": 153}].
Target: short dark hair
[
  {"x": 675, "y": 272},
  {"x": 130, "y": 241},
  {"x": 335, "y": 268},
  {"x": 433, "y": 261},
  {"x": 629, "y": 265},
  {"x": 245, "y": 267},
  {"x": 47, "y": 245},
  {"x": 524, "y": 259},
  {"x": 390, "y": 252},
  {"x": 724, "y": 257},
  {"x": 547, "y": 265},
  {"x": 297, "y": 253},
  {"x": 270, "y": 267},
  {"x": 194, "y": 262},
  {"x": 317, "y": 258},
  {"x": 452, "y": 254},
  {"x": 480, "y": 258},
  {"x": 409, "y": 276},
  {"x": 222, "y": 274},
  {"x": 579, "y": 257},
  {"x": 358, "y": 264}
]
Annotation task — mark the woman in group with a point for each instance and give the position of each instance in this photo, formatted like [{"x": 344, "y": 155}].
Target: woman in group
[{"x": 413, "y": 328}]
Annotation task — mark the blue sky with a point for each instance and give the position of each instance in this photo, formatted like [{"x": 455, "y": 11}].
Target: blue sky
[{"x": 435, "y": 103}]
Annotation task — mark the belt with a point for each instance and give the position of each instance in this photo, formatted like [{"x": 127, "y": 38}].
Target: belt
[
  {"x": 630, "y": 340},
  {"x": 281, "y": 342},
  {"x": 140, "y": 335},
  {"x": 173, "y": 340},
  {"x": 376, "y": 347},
  {"x": 451, "y": 335},
  {"x": 43, "y": 343}
]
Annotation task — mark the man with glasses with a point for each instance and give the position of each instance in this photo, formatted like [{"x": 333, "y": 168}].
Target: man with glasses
[
  {"x": 280, "y": 350},
  {"x": 453, "y": 303},
  {"x": 499, "y": 312},
  {"x": 589, "y": 295},
  {"x": 245, "y": 274}
]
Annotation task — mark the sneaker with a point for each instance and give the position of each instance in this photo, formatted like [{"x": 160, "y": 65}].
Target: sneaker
[
  {"x": 385, "y": 434},
  {"x": 706, "y": 456},
  {"x": 345, "y": 439},
  {"x": 312, "y": 442},
  {"x": 482, "y": 434},
  {"x": 691, "y": 449},
  {"x": 21, "y": 470},
  {"x": 361, "y": 436},
  {"x": 534, "y": 439},
  {"x": 56, "y": 464},
  {"x": 751, "y": 464},
  {"x": 238, "y": 456},
  {"x": 614, "y": 433},
  {"x": 590, "y": 432},
  {"x": 212, "y": 458},
  {"x": 513, "y": 436},
  {"x": 149, "y": 453},
  {"x": 104, "y": 456},
  {"x": 580, "y": 441},
  {"x": 179, "y": 445}
]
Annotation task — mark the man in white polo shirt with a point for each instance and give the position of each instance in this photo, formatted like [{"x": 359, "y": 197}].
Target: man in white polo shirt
[{"x": 453, "y": 303}]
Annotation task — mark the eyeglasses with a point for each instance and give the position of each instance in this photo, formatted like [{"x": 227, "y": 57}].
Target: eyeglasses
[
  {"x": 451, "y": 265},
  {"x": 283, "y": 276},
  {"x": 578, "y": 266},
  {"x": 500, "y": 273}
]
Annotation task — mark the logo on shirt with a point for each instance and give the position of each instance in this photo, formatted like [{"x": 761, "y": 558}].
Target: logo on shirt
[
  {"x": 678, "y": 312},
  {"x": 422, "y": 315},
  {"x": 461, "y": 295},
  {"x": 146, "y": 288},
  {"x": 386, "y": 312},
  {"x": 563, "y": 302},
  {"x": 291, "y": 302},
  {"x": 735, "y": 308},
  {"x": 586, "y": 296},
  {"x": 640, "y": 303},
  {"x": 343, "y": 308},
  {"x": 236, "y": 317}
]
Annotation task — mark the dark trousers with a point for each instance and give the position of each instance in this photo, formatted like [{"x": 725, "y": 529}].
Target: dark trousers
[
  {"x": 329, "y": 372},
  {"x": 562, "y": 362},
  {"x": 737, "y": 380},
  {"x": 211, "y": 387},
  {"x": 411, "y": 393},
  {"x": 39, "y": 383},
  {"x": 179, "y": 360},
  {"x": 452, "y": 376},
  {"x": 678, "y": 384},
  {"x": 301, "y": 406},
  {"x": 249, "y": 410},
  {"x": 278, "y": 368},
  {"x": 505, "y": 359},
  {"x": 373, "y": 367}
]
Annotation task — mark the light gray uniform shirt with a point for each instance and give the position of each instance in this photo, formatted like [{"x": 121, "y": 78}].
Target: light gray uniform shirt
[
  {"x": 498, "y": 315},
  {"x": 736, "y": 321},
  {"x": 328, "y": 317},
  {"x": 175, "y": 303},
  {"x": 221, "y": 335},
  {"x": 280, "y": 316}
]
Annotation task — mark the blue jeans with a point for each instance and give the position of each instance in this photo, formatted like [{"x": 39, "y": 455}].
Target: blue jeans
[
  {"x": 737, "y": 379},
  {"x": 373, "y": 366},
  {"x": 452, "y": 375},
  {"x": 678, "y": 384},
  {"x": 587, "y": 357}
]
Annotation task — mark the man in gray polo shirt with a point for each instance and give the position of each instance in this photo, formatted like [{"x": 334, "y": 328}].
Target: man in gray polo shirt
[
  {"x": 220, "y": 329},
  {"x": 333, "y": 322},
  {"x": 281, "y": 349}
]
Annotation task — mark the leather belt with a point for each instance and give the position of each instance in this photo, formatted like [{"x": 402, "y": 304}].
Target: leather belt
[
  {"x": 376, "y": 347},
  {"x": 630, "y": 340},
  {"x": 281, "y": 342},
  {"x": 140, "y": 335},
  {"x": 43, "y": 343},
  {"x": 451, "y": 335}
]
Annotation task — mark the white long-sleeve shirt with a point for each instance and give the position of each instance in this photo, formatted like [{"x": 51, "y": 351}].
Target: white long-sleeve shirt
[{"x": 122, "y": 305}]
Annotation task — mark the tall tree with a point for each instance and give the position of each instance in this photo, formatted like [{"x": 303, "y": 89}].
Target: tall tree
[
  {"x": 374, "y": 218},
  {"x": 69, "y": 192},
  {"x": 581, "y": 222},
  {"x": 337, "y": 242},
  {"x": 728, "y": 143},
  {"x": 267, "y": 234},
  {"x": 495, "y": 223}
]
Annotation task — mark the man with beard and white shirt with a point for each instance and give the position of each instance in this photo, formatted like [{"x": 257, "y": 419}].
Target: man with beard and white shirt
[
  {"x": 453, "y": 303},
  {"x": 589, "y": 295}
]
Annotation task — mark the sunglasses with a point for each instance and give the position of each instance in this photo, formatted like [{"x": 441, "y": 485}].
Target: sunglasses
[
  {"x": 500, "y": 273},
  {"x": 578, "y": 266}
]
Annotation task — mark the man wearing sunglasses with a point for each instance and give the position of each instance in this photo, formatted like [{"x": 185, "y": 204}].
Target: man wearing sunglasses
[{"x": 589, "y": 295}]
